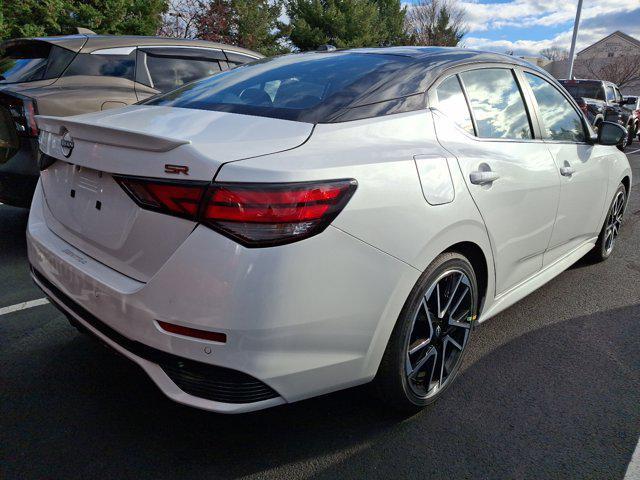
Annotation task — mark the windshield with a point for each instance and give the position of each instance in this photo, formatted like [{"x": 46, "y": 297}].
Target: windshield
[
  {"x": 586, "y": 90},
  {"x": 305, "y": 87},
  {"x": 32, "y": 61}
]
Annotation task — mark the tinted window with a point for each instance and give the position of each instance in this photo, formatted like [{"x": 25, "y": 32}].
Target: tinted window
[
  {"x": 560, "y": 119},
  {"x": 304, "y": 87},
  {"x": 611, "y": 96},
  {"x": 121, "y": 66},
  {"x": 584, "y": 89},
  {"x": 32, "y": 61},
  {"x": 451, "y": 101},
  {"x": 496, "y": 103},
  {"x": 168, "y": 73}
]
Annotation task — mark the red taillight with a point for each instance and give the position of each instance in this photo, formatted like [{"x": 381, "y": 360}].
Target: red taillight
[
  {"x": 193, "y": 332},
  {"x": 179, "y": 199},
  {"x": 23, "y": 110},
  {"x": 253, "y": 214}
]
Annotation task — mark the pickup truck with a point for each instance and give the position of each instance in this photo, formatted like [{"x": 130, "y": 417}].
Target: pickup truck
[{"x": 601, "y": 101}]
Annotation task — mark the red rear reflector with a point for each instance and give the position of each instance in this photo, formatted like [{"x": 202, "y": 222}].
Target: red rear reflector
[
  {"x": 259, "y": 215},
  {"x": 193, "y": 332}
]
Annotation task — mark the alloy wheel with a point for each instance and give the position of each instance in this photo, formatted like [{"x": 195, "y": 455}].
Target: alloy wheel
[
  {"x": 439, "y": 333},
  {"x": 614, "y": 222}
]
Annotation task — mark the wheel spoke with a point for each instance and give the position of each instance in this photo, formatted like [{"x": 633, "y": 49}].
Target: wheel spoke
[
  {"x": 451, "y": 297},
  {"x": 431, "y": 352},
  {"x": 420, "y": 346}
]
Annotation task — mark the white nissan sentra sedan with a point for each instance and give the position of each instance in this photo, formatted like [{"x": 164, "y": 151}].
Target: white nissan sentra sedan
[{"x": 311, "y": 222}]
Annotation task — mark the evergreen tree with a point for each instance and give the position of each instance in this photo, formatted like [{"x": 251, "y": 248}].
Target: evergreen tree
[
  {"x": 341, "y": 23},
  {"x": 392, "y": 15},
  {"x": 252, "y": 24},
  {"x": 28, "y": 18}
]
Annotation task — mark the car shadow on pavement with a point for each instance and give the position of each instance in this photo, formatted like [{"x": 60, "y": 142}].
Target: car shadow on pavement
[
  {"x": 535, "y": 407},
  {"x": 13, "y": 226}
]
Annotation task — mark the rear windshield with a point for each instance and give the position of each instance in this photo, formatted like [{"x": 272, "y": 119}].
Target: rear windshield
[
  {"x": 584, "y": 89},
  {"x": 307, "y": 87},
  {"x": 631, "y": 106},
  {"x": 32, "y": 61}
]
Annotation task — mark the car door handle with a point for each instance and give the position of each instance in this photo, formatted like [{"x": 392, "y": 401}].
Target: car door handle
[
  {"x": 567, "y": 171},
  {"x": 483, "y": 177}
]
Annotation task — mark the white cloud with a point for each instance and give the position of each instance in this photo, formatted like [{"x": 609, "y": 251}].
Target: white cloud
[
  {"x": 599, "y": 19},
  {"x": 528, "y": 13}
]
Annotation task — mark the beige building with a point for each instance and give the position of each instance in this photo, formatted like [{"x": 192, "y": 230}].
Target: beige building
[{"x": 615, "y": 58}]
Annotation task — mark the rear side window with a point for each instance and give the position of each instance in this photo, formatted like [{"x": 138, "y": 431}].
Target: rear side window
[
  {"x": 168, "y": 73},
  {"x": 32, "y": 61},
  {"x": 452, "y": 103},
  {"x": 496, "y": 103},
  {"x": 560, "y": 119},
  {"x": 120, "y": 66}
]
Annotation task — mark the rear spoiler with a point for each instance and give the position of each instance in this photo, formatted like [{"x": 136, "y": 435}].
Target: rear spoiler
[{"x": 104, "y": 135}]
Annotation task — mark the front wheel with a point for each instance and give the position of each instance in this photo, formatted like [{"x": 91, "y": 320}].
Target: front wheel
[
  {"x": 427, "y": 345},
  {"x": 611, "y": 228}
]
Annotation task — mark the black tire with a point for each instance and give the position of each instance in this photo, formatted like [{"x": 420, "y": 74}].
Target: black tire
[
  {"x": 603, "y": 248},
  {"x": 631, "y": 133},
  {"x": 393, "y": 383}
]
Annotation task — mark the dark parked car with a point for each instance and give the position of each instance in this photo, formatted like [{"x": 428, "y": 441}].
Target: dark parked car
[
  {"x": 76, "y": 74},
  {"x": 633, "y": 105},
  {"x": 601, "y": 101}
]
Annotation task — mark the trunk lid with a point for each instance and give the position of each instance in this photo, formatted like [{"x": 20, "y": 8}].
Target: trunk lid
[{"x": 87, "y": 207}]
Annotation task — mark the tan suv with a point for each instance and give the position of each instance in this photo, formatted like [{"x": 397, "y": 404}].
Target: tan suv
[{"x": 84, "y": 73}]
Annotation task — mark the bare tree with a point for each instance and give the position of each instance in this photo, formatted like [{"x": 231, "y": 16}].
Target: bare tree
[
  {"x": 436, "y": 22},
  {"x": 181, "y": 18},
  {"x": 621, "y": 70},
  {"x": 555, "y": 53}
]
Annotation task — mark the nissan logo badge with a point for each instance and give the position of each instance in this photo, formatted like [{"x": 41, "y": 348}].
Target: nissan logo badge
[{"x": 66, "y": 144}]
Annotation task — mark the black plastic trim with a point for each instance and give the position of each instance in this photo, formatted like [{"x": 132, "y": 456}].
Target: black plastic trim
[{"x": 219, "y": 384}]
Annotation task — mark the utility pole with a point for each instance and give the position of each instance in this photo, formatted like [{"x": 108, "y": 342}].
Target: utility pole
[{"x": 576, "y": 24}]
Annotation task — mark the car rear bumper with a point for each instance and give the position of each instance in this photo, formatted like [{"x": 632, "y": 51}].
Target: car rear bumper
[{"x": 300, "y": 320}]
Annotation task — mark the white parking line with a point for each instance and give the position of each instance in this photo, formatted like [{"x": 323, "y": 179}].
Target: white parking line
[
  {"x": 633, "y": 470},
  {"x": 23, "y": 306},
  {"x": 635, "y": 151}
]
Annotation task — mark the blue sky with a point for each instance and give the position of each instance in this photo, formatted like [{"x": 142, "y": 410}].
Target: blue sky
[{"x": 527, "y": 26}]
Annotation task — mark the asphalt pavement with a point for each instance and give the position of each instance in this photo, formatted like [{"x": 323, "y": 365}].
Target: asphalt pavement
[{"x": 550, "y": 389}]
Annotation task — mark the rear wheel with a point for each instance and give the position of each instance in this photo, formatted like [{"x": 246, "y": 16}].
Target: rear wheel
[
  {"x": 631, "y": 133},
  {"x": 611, "y": 228},
  {"x": 427, "y": 345}
]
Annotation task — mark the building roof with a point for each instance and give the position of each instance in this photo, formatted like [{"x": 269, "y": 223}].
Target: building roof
[{"x": 618, "y": 33}]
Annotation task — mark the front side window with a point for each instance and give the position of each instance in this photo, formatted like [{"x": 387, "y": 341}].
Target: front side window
[
  {"x": 560, "y": 119},
  {"x": 452, "y": 103},
  {"x": 497, "y": 104},
  {"x": 168, "y": 73},
  {"x": 98, "y": 65}
]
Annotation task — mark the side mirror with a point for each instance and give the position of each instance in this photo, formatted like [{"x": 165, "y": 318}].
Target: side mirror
[{"x": 611, "y": 133}]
